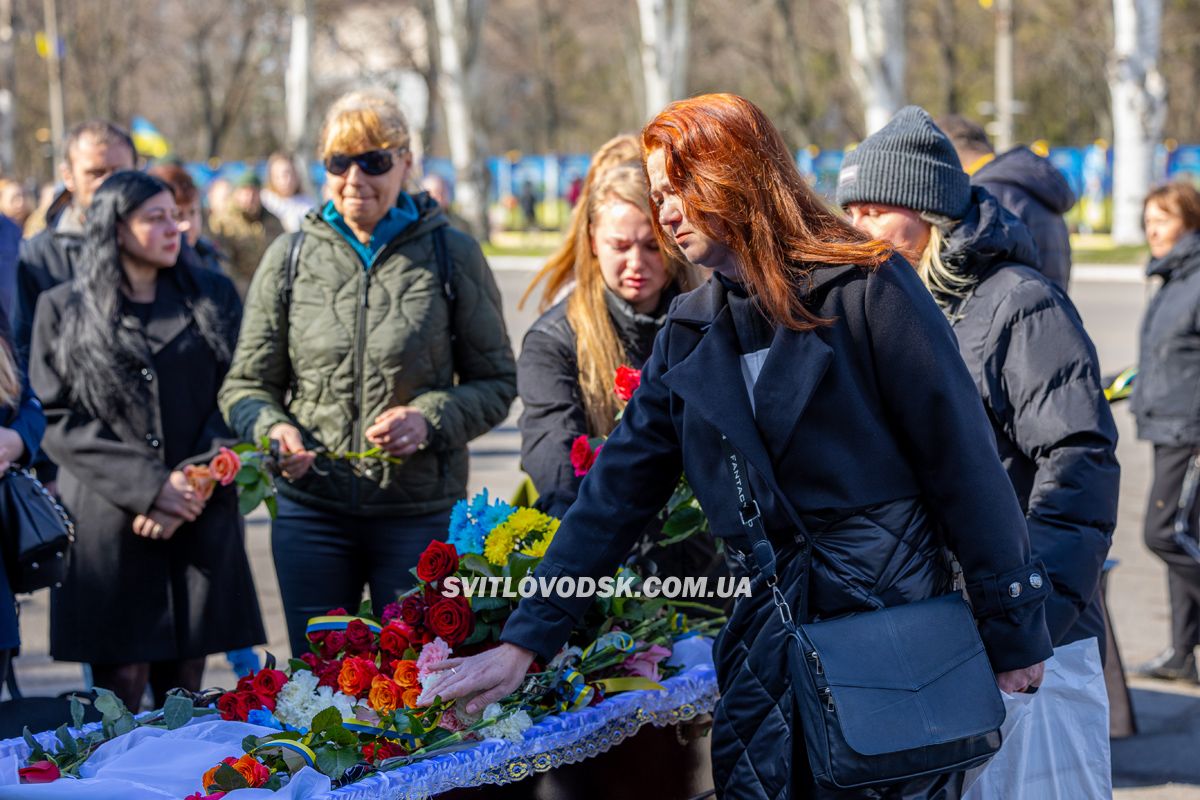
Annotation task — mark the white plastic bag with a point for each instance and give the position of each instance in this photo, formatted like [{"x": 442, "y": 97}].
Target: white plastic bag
[{"x": 1055, "y": 740}]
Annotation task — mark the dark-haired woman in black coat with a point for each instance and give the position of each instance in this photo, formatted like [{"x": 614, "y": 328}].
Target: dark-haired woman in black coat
[{"x": 127, "y": 360}]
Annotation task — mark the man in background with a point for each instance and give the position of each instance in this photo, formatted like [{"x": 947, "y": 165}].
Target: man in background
[
  {"x": 244, "y": 229},
  {"x": 1026, "y": 184}
]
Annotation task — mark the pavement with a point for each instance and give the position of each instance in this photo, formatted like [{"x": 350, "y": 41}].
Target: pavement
[{"x": 1162, "y": 762}]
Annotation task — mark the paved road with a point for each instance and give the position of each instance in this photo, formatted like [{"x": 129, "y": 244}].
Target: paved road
[{"x": 1160, "y": 763}]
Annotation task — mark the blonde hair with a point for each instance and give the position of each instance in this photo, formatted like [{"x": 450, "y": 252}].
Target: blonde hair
[
  {"x": 598, "y": 348},
  {"x": 942, "y": 281},
  {"x": 10, "y": 379},
  {"x": 365, "y": 119},
  {"x": 559, "y": 269}
]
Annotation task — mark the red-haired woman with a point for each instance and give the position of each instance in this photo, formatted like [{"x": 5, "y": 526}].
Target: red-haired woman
[{"x": 831, "y": 370}]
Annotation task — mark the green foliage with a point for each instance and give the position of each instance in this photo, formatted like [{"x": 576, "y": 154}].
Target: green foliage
[{"x": 177, "y": 712}]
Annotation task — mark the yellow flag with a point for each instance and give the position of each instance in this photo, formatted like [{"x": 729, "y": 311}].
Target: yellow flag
[{"x": 42, "y": 44}]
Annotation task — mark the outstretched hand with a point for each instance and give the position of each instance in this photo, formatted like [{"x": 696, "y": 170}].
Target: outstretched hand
[{"x": 484, "y": 678}]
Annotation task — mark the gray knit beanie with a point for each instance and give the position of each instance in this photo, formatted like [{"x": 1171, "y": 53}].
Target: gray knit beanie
[{"x": 908, "y": 163}]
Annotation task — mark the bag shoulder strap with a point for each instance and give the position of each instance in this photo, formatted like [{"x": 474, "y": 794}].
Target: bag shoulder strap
[
  {"x": 291, "y": 267},
  {"x": 445, "y": 272}
]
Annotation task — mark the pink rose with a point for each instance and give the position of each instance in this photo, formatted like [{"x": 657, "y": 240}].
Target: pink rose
[{"x": 645, "y": 663}]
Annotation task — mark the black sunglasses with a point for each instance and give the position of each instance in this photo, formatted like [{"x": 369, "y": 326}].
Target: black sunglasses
[{"x": 373, "y": 162}]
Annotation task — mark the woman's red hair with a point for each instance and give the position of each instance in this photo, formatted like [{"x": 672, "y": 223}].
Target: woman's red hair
[{"x": 739, "y": 185}]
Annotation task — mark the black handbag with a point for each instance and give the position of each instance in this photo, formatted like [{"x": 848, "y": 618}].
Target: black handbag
[
  {"x": 884, "y": 696},
  {"x": 37, "y": 532}
]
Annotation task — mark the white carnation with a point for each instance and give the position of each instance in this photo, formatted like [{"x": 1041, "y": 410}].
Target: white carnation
[
  {"x": 511, "y": 728},
  {"x": 301, "y": 699}
]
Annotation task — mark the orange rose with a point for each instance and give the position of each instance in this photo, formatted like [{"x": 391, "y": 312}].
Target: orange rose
[
  {"x": 385, "y": 695},
  {"x": 410, "y": 697},
  {"x": 225, "y": 466},
  {"x": 406, "y": 674},
  {"x": 210, "y": 777},
  {"x": 201, "y": 479},
  {"x": 356, "y": 675}
]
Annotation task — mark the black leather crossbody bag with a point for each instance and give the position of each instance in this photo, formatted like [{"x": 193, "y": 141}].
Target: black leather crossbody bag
[
  {"x": 37, "y": 532},
  {"x": 888, "y": 695}
]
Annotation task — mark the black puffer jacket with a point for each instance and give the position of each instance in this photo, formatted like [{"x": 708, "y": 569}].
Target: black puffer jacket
[
  {"x": 1033, "y": 189},
  {"x": 870, "y": 428},
  {"x": 1038, "y": 374},
  {"x": 1166, "y": 394},
  {"x": 548, "y": 383}
]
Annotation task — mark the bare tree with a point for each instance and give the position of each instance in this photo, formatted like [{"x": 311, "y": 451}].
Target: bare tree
[
  {"x": 297, "y": 78},
  {"x": 877, "y": 57},
  {"x": 458, "y": 34},
  {"x": 665, "y": 33},
  {"x": 1139, "y": 108}
]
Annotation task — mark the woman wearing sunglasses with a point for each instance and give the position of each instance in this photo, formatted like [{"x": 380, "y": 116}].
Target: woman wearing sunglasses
[{"x": 365, "y": 347}]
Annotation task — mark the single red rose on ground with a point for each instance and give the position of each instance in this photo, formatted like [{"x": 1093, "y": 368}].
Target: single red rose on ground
[
  {"x": 439, "y": 560},
  {"x": 582, "y": 456},
  {"x": 393, "y": 640},
  {"x": 452, "y": 620},
  {"x": 334, "y": 643},
  {"x": 626, "y": 382},
  {"x": 359, "y": 638},
  {"x": 225, "y": 466},
  {"x": 355, "y": 677},
  {"x": 268, "y": 682},
  {"x": 412, "y": 611},
  {"x": 39, "y": 772}
]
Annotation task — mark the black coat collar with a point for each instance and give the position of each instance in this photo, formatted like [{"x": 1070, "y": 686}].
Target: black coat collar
[{"x": 171, "y": 314}]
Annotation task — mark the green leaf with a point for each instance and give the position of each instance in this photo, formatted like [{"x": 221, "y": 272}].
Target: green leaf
[
  {"x": 687, "y": 519},
  {"x": 249, "y": 498},
  {"x": 177, "y": 712},
  {"x": 327, "y": 761},
  {"x": 272, "y": 505},
  {"x": 295, "y": 665},
  {"x": 38, "y": 753},
  {"x": 244, "y": 447},
  {"x": 346, "y": 759},
  {"x": 124, "y": 724},
  {"x": 479, "y": 604},
  {"x": 69, "y": 746},
  {"x": 109, "y": 705},
  {"x": 246, "y": 476},
  {"x": 478, "y": 636},
  {"x": 227, "y": 779},
  {"x": 519, "y": 565},
  {"x": 76, "y": 713},
  {"x": 329, "y": 718},
  {"x": 249, "y": 743},
  {"x": 343, "y": 736},
  {"x": 364, "y": 608},
  {"x": 474, "y": 562}
]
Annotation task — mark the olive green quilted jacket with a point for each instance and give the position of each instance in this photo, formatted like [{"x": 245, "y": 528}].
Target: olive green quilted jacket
[{"x": 356, "y": 341}]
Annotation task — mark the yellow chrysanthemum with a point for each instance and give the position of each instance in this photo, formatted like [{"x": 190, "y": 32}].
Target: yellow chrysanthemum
[
  {"x": 538, "y": 548},
  {"x": 500, "y": 542}
]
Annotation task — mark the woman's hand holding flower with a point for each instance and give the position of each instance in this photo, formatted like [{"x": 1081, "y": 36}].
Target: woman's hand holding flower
[
  {"x": 179, "y": 498},
  {"x": 485, "y": 678},
  {"x": 296, "y": 458},
  {"x": 400, "y": 430},
  {"x": 156, "y": 525}
]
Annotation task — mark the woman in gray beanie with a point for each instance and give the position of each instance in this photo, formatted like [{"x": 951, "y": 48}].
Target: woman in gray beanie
[{"x": 1022, "y": 341}]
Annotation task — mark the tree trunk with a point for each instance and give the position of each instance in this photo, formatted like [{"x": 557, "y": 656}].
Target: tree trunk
[
  {"x": 665, "y": 38},
  {"x": 877, "y": 57},
  {"x": 458, "y": 24},
  {"x": 296, "y": 81},
  {"x": 1139, "y": 108},
  {"x": 8, "y": 79}
]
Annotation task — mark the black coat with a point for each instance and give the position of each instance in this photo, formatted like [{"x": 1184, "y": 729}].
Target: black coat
[
  {"x": 1166, "y": 394},
  {"x": 553, "y": 415},
  {"x": 127, "y": 598},
  {"x": 1039, "y": 376},
  {"x": 870, "y": 428},
  {"x": 46, "y": 260},
  {"x": 1033, "y": 189}
]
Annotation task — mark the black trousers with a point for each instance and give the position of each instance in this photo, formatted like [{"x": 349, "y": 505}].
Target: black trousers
[
  {"x": 1183, "y": 572},
  {"x": 324, "y": 559}
]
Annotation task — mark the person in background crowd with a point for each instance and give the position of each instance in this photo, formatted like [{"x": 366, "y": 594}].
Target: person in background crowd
[
  {"x": 574, "y": 190},
  {"x": 14, "y": 202},
  {"x": 366, "y": 349},
  {"x": 528, "y": 202},
  {"x": 1166, "y": 406},
  {"x": 10, "y": 252},
  {"x": 22, "y": 424},
  {"x": 191, "y": 212},
  {"x": 1027, "y": 185},
  {"x": 244, "y": 229},
  {"x": 439, "y": 189},
  {"x": 217, "y": 196},
  {"x": 283, "y": 195},
  {"x": 1023, "y": 342},
  {"x": 45, "y": 201},
  {"x": 93, "y": 151},
  {"x": 127, "y": 359},
  {"x": 825, "y": 362},
  {"x": 558, "y": 275}
]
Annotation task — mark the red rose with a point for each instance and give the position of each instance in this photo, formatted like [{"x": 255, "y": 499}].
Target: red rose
[
  {"x": 438, "y": 561},
  {"x": 393, "y": 640},
  {"x": 412, "y": 611},
  {"x": 356, "y": 675},
  {"x": 236, "y": 706},
  {"x": 359, "y": 638},
  {"x": 246, "y": 683},
  {"x": 328, "y": 674},
  {"x": 267, "y": 701},
  {"x": 582, "y": 455},
  {"x": 269, "y": 682},
  {"x": 626, "y": 382},
  {"x": 39, "y": 772},
  {"x": 312, "y": 660},
  {"x": 380, "y": 751},
  {"x": 452, "y": 620},
  {"x": 334, "y": 643},
  {"x": 337, "y": 612}
]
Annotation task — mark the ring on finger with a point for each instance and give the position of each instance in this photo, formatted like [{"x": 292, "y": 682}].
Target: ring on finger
[{"x": 454, "y": 670}]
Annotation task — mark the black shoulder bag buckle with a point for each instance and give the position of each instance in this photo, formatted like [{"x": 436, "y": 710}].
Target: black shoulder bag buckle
[{"x": 888, "y": 695}]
